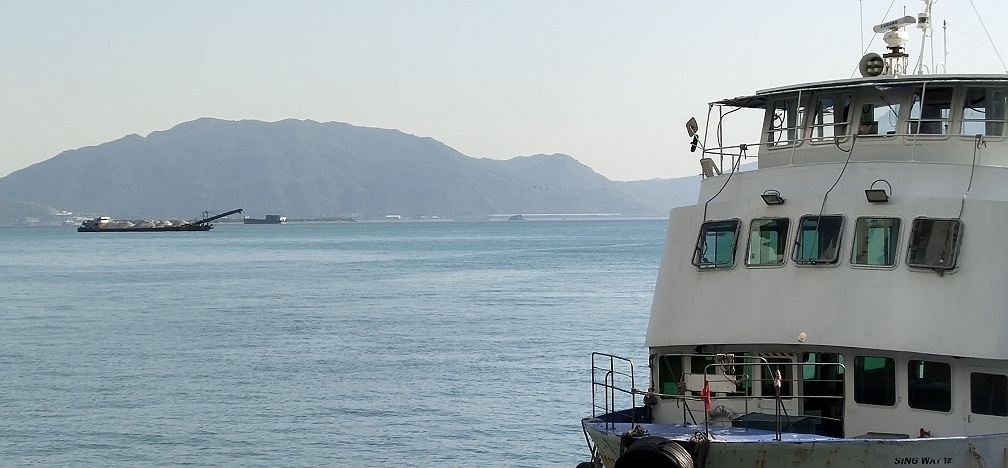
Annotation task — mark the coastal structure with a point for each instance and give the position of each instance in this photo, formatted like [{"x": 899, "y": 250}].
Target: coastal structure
[
  {"x": 841, "y": 305},
  {"x": 269, "y": 219},
  {"x": 107, "y": 224}
]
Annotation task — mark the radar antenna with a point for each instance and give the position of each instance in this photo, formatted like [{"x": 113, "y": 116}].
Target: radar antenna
[{"x": 895, "y": 38}]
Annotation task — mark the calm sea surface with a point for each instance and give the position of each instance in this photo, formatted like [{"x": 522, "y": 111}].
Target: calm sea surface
[{"x": 388, "y": 344}]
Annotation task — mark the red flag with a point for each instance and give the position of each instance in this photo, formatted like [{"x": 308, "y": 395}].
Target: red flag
[{"x": 705, "y": 394}]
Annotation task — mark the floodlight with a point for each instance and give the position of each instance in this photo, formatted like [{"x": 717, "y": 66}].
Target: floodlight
[{"x": 772, "y": 197}]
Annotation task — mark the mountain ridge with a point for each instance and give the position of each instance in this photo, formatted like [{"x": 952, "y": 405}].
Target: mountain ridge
[{"x": 309, "y": 169}]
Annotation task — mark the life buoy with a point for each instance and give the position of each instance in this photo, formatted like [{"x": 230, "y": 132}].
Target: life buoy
[{"x": 655, "y": 452}]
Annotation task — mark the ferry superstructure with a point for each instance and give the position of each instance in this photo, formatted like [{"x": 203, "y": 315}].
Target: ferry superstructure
[{"x": 844, "y": 304}]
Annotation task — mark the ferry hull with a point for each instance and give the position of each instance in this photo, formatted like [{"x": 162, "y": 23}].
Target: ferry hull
[{"x": 729, "y": 447}]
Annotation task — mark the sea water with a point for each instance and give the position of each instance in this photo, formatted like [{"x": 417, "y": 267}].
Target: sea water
[{"x": 353, "y": 344}]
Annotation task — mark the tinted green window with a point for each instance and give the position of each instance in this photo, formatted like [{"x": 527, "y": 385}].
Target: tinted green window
[
  {"x": 818, "y": 239},
  {"x": 934, "y": 243},
  {"x": 670, "y": 372},
  {"x": 875, "y": 241},
  {"x": 716, "y": 245},
  {"x": 744, "y": 370},
  {"x": 989, "y": 394},
  {"x": 767, "y": 242},
  {"x": 875, "y": 381},
  {"x": 823, "y": 366},
  {"x": 929, "y": 385}
]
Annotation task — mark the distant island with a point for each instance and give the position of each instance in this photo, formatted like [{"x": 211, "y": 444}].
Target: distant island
[{"x": 311, "y": 170}]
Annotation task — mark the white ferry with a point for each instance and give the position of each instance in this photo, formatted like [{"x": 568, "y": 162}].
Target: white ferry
[{"x": 843, "y": 304}]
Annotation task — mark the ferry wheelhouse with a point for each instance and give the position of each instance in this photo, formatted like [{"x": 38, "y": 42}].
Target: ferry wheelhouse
[{"x": 843, "y": 304}]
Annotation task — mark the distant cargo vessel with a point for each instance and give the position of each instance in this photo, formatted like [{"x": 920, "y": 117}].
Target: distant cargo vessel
[
  {"x": 270, "y": 219},
  {"x": 107, "y": 224}
]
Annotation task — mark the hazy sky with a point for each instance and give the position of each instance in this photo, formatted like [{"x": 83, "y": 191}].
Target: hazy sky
[{"x": 609, "y": 83}]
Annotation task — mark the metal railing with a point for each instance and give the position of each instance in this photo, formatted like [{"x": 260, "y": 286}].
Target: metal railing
[
  {"x": 609, "y": 376},
  {"x": 614, "y": 391},
  {"x": 745, "y": 382}
]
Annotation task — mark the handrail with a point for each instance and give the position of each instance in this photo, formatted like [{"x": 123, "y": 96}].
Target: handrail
[
  {"x": 722, "y": 371},
  {"x": 779, "y": 399},
  {"x": 610, "y": 373},
  {"x": 609, "y": 387},
  {"x": 722, "y": 151}
]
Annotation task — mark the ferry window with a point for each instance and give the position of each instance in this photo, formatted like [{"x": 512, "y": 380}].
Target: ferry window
[
  {"x": 831, "y": 117},
  {"x": 741, "y": 370},
  {"x": 744, "y": 370},
  {"x": 875, "y": 241},
  {"x": 934, "y": 243},
  {"x": 989, "y": 394},
  {"x": 784, "y": 122},
  {"x": 767, "y": 242},
  {"x": 818, "y": 239},
  {"x": 670, "y": 374},
  {"x": 984, "y": 112},
  {"x": 716, "y": 246},
  {"x": 875, "y": 381},
  {"x": 822, "y": 383},
  {"x": 879, "y": 118},
  {"x": 698, "y": 364},
  {"x": 767, "y": 376},
  {"x": 823, "y": 366},
  {"x": 931, "y": 111},
  {"x": 929, "y": 385}
]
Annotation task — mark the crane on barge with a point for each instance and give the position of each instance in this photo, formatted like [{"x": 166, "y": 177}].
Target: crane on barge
[{"x": 106, "y": 224}]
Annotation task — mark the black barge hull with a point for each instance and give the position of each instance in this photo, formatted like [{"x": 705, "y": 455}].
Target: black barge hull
[
  {"x": 188, "y": 227},
  {"x": 105, "y": 224}
]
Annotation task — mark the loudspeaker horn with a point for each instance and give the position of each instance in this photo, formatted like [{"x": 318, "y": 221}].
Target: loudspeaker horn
[{"x": 871, "y": 65}]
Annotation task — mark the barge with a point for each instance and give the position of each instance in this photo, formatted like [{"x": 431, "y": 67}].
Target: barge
[
  {"x": 107, "y": 224},
  {"x": 269, "y": 219}
]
